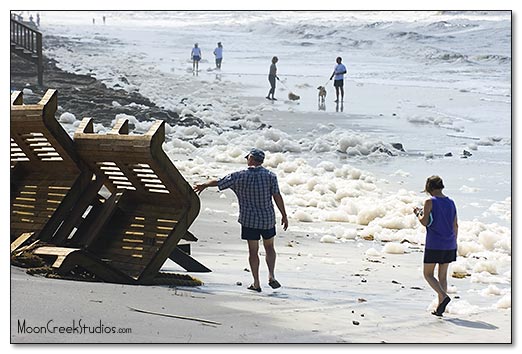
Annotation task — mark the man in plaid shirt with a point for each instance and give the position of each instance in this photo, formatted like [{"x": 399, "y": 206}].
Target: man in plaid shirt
[{"x": 255, "y": 187}]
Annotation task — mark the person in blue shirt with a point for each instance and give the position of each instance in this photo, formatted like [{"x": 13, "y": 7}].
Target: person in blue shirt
[
  {"x": 196, "y": 57},
  {"x": 339, "y": 71},
  {"x": 439, "y": 215},
  {"x": 255, "y": 187}
]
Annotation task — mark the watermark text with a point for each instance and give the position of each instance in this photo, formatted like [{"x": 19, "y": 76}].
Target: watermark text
[{"x": 75, "y": 327}]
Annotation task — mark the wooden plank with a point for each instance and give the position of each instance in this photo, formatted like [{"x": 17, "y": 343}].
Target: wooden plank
[
  {"x": 133, "y": 270},
  {"x": 189, "y": 236},
  {"x": 167, "y": 211},
  {"x": 23, "y": 146},
  {"x": 89, "y": 137},
  {"x": 37, "y": 216},
  {"x": 17, "y": 97},
  {"x": 20, "y": 240},
  {"x": 137, "y": 263},
  {"x": 20, "y": 228},
  {"x": 95, "y": 154},
  {"x": 164, "y": 252},
  {"x": 54, "y": 251},
  {"x": 126, "y": 228},
  {"x": 40, "y": 195},
  {"x": 87, "y": 196},
  {"x": 147, "y": 229},
  {"x": 95, "y": 266},
  {"x": 185, "y": 247},
  {"x": 110, "y": 140},
  {"x": 106, "y": 212},
  {"x": 26, "y": 110},
  {"x": 135, "y": 242},
  {"x": 45, "y": 182},
  {"x": 187, "y": 262},
  {"x": 19, "y": 218},
  {"x": 121, "y": 127},
  {"x": 127, "y": 254}
]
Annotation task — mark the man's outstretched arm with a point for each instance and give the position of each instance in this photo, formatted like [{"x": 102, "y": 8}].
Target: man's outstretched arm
[{"x": 198, "y": 188}]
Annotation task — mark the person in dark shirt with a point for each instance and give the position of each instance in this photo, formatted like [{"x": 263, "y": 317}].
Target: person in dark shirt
[
  {"x": 439, "y": 215},
  {"x": 272, "y": 76}
]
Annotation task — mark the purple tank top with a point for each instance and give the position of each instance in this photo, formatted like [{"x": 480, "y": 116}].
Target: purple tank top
[{"x": 440, "y": 235}]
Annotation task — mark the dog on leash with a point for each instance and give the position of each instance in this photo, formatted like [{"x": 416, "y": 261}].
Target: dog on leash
[
  {"x": 322, "y": 93},
  {"x": 293, "y": 97}
]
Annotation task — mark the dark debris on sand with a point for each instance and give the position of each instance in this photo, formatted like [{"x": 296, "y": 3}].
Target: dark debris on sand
[{"x": 84, "y": 96}]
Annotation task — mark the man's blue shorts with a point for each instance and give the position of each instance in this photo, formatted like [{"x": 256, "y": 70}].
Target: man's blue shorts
[
  {"x": 338, "y": 83},
  {"x": 248, "y": 233},
  {"x": 196, "y": 58}
]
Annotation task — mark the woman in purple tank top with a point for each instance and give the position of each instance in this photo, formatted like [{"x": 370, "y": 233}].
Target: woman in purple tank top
[{"x": 439, "y": 215}]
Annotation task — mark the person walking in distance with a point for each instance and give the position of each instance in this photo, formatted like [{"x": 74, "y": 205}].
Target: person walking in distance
[
  {"x": 196, "y": 57},
  {"x": 439, "y": 215},
  {"x": 272, "y": 76},
  {"x": 218, "y": 52},
  {"x": 338, "y": 73},
  {"x": 255, "y": 188}
]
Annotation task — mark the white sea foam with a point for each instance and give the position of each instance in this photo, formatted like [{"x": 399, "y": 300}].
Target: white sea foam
[
  {"x": 504, "y": 302},
  {"x": 67, "y": 118},
  {"x": 394, "y": 248},
  {"x": 372, "y": 252},
  {"x": 462, "y": 307},
  {"x": 329, "y": 239}
]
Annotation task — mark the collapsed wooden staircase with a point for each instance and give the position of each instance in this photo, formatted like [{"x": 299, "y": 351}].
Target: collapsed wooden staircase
[{"x": 112, "y": 204}]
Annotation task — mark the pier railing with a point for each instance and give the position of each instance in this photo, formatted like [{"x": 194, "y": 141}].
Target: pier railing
[{"x": 26, "y": 42}]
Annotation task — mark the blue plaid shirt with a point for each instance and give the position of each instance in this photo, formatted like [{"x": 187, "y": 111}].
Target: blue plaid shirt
[{"x": 254, "y": 188}]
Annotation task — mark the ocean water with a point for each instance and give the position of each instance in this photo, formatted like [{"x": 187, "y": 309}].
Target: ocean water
[
  {"x": 436, "y": 82},
  {"x": 449, "y": 73}
]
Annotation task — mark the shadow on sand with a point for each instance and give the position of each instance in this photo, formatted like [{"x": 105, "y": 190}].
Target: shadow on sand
[{"x": 471, "y": 324}]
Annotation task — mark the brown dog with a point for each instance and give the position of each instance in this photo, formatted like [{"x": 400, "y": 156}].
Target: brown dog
[{"x": 322, "y": 93}]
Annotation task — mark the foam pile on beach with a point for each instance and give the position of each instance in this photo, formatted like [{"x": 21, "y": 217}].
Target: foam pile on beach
[{"x": 350, "y": 199}]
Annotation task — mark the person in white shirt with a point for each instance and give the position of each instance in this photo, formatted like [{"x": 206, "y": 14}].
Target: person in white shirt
[
  {"x": 218, "y": 52},
  {"x": 196, "y": 57},
  {"x": 339, "y": 71}
]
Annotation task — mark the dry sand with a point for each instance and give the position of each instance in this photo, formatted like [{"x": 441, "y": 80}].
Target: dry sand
[{"x": 331, "y": 293}]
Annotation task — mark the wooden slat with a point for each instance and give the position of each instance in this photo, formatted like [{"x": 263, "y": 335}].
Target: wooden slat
[
  {"x": 21, "y": 240},
  {"x": 18, "y": 228},
  {"x": 59, "y": 252},
  {"x": 150, "y": 229},
  {"x": 122, "y": 253},
  {"x": 187, "y": 262},
  {"x": 54, "y": 251}
]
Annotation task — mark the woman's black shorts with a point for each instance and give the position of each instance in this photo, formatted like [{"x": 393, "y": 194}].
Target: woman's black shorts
[{"x": 440, "y": 256}]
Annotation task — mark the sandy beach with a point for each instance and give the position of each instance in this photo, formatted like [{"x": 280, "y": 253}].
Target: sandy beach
[
  {"x": 350, "y": 263},
  {"x": 330, "y": 294}
]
